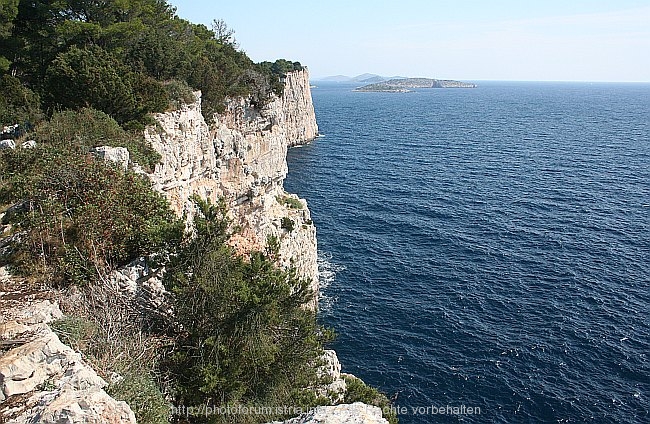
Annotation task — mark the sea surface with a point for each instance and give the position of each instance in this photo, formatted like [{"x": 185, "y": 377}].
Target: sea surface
[{"x": 487, "y": 247}]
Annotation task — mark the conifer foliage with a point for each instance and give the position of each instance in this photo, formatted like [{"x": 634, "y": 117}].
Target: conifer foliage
[
  {"x": 246, "y": 336},
  {"x": 117, "y": 56}
]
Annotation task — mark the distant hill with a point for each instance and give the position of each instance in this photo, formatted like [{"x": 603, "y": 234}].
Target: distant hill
[
  {"x": 362, "y": 79},
  {"x": 336, "y": 78},
  {"x": 406, "y": 85},
  {"x": 370, "y": 79}
]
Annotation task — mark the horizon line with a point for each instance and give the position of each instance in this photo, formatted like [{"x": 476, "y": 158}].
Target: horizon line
[{"x": 490, "y": 80}]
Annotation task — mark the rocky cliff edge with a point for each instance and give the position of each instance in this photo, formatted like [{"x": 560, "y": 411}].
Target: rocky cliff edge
[{"x": 241, "y": 157}]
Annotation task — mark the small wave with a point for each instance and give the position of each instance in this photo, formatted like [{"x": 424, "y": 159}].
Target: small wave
[{"x": 327, "y": 271}]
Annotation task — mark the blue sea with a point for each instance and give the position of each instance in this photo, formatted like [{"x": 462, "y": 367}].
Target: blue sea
[{"x": 488, "y": 247}]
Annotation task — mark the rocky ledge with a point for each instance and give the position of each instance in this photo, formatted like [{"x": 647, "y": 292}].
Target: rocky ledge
[
  {"x": 41, "y": 379},
  {"x": 356, "y": 413}
]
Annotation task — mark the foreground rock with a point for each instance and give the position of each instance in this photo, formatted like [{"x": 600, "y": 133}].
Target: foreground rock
[
  {"x": 41, "y": 379},
  {"x": 356, "y": 413}
]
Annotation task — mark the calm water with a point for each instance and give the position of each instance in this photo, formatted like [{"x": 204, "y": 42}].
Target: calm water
[{"x": 488, "y": 247}]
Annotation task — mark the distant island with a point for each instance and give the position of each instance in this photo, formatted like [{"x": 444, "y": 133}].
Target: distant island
[{"x": 405, "y": 85}]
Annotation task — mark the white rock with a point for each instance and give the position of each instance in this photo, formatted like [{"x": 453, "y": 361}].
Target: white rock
[
  {"x": 41, "y": 312},
  {"x": 142, "y": 284},
  {"x": 117, "y": 155},
  {"x": 64, "y": 388},
  {"x": 24, "y": 368},
  {"x": 11, "y": 329},
  {"x": 29, "y": 144},
  {"x": 356, "y": 413},
  {"x": 332, "y": 368},
  {"x": 72, "y": 406},
  {"x": 7, "y": 144},
  {"x": 10, "y": 129}
]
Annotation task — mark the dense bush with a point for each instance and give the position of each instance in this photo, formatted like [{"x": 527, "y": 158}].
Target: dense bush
[
  {"x": 247, "y": 337},
  {"x": 116, "y": 57},
  {"x": 91, "y": 76},
  {"x": 80, "y": 217},
  {"x": 87, "y": 128},
  {"x": 18, "y": 104}
]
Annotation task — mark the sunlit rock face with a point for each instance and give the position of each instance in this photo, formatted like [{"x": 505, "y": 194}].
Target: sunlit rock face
[{"x": 241, "y": 157}]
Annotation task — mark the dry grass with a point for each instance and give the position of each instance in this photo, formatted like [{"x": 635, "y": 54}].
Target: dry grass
[{"x": 112, "y": 333}]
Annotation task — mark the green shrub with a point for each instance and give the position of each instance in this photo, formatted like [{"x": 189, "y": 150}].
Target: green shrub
[
  {"x": 81, "y": 217},
  {"x": 18, "y": 104},
  {"x": 287, "y": 224},
  {"x": 247, "y": 337},
  {"x": 87, "y": 128},
  {"x": 74, "y": 331},
  {"x": 179, "y": 93},
  {"x": 358, "y": 391},
  {"x": 141, "y": 392},
  {"x": 91, "y": 76},
  {"x": 291, "y": 202},
  {"x": 151, "y": 96}
]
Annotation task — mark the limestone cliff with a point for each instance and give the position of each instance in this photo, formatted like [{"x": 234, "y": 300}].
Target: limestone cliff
[{"x": 242, "y": 157}]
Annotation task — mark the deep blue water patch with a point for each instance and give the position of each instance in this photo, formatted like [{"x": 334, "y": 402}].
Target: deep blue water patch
[{"x": 492, "y": 246}]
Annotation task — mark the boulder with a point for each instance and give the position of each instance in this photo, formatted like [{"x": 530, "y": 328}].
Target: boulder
[
  {"x": 42, "y": 311},
  {"x": 26, "y": 367},
  {"x": 10, "y": 131},
  {"x": 7, "y": 144},
  {"x": 356, "y": 413},
  {"x": 74, "y": 406},
  {"x": 117, "y": 155}
]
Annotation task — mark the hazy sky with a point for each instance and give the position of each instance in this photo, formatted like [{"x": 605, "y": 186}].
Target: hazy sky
[{"x": 556, "y": 40}]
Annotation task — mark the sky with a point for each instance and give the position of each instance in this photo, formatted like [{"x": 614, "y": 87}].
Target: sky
[{"x": 522, "y": 40}]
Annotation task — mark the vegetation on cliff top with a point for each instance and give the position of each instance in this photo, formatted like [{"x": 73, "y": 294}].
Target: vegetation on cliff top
[
  {"x": 79, "y": 217},
  {"x": 118, "y": 57}
]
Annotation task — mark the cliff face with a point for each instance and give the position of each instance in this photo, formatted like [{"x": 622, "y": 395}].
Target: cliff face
[{"x": 242, "y": 158}]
